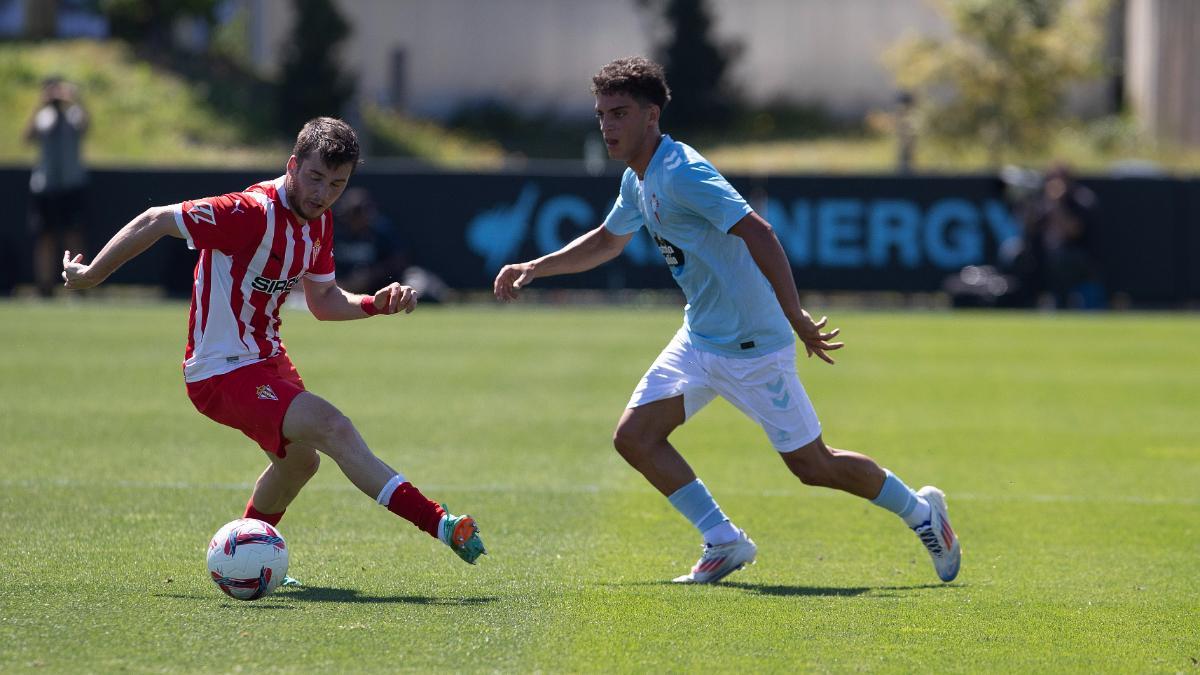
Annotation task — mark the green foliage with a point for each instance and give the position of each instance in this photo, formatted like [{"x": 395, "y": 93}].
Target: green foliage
[
  {"x": 697, "y": 66},
  {"x": 140, "y": 114},
  {"x": 541, "y": 134},
  {"x": 1000, "y": 79},
  {"x": 1070, "y": 469},
  {"x": 391, "y": 134},
  {"x": 312, "y": 83}
]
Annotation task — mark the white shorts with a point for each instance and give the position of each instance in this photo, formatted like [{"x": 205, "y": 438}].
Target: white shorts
[{"x": 765, "y": 388}]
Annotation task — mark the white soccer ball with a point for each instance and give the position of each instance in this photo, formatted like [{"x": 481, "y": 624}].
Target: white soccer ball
[{"x": 247, "y": 558}]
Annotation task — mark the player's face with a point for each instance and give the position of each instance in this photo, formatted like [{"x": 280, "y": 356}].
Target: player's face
[
  {"x": 313, "y": 186},
  {"x": 627, "y": 125}
]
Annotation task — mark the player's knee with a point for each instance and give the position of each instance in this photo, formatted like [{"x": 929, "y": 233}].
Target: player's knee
[
  {"x": 337, "y": 431},
  {"x": 307, "y": 466},
  {"x": 810, "y": 464},
  {"x": 629, "y": 444}
]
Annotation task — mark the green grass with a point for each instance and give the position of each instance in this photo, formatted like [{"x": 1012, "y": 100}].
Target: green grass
[{"x": 1067, "y": 446}]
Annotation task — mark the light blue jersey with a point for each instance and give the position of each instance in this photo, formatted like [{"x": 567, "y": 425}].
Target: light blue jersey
[{"x": 688, "y": 208}]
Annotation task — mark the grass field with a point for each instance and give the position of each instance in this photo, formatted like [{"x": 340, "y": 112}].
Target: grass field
[{"x": 1069, "y": 447}]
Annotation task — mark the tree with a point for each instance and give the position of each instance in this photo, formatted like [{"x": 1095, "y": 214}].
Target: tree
[
  {"x": 149, "y": 22},
  {"x": 697, "y": 66},
  {"x": 311, "y": 82},
  {"x": 1001, "y": 77},
  {"x": 41, "y": 18}
]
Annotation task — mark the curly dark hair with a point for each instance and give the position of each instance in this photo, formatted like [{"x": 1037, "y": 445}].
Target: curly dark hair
[
  {"x": 333, "y": 139},
  {"x": 637, "y": 76}
]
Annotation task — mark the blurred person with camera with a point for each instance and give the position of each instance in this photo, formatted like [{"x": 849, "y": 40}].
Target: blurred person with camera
[
  {"x": 1056, "y": 261},
  {"x": 58, "y": 184}
]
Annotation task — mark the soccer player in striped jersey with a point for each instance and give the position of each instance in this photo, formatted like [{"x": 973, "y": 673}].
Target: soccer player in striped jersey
[
  {"x": 255, "y": 246},
  {"x": 737, "y": 337}
]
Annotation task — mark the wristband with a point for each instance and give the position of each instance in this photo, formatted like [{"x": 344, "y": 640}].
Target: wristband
[{"x": 368, "y": 305}]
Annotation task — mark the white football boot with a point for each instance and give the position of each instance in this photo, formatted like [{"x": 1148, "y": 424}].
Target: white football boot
[
  {"x": 718, "y": 562},
  {"x": 938, "y": 536}
]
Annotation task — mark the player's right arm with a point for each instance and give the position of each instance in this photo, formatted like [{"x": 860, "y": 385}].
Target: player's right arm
[
  {"x": 590, "y": 250},
  {"x": 137, "y": 236}
]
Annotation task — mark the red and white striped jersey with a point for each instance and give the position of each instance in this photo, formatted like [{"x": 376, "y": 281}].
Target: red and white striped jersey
[{"x": 253, "y": 251}]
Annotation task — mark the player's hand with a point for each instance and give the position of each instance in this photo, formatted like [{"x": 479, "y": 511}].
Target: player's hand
[
  {"x": 512, "y": 278},
  {"x": 815, "y": 341},
  {"x": 394, "y": 298},
  {"x": 75, "y": 272}
]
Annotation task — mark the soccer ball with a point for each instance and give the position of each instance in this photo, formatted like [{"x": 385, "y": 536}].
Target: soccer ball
[{"x": 247, "y": 558}]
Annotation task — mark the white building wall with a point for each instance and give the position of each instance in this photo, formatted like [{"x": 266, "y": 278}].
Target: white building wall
[
  {"x": 1162, "y": 54},
  {"x": 540, "y": 54}
]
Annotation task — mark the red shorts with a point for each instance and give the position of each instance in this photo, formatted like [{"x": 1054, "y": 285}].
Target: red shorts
[{"x": 252, "y": 399}]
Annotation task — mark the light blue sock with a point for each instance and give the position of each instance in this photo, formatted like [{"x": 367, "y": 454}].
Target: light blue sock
[
  {"x": 898, "y": 498},
  {"x": 697, "y": 505}
]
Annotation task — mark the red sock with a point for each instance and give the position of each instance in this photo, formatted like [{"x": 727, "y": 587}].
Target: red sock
[
  {"x": 270, "y": 518},
  {"x": 408, "y": 503}
]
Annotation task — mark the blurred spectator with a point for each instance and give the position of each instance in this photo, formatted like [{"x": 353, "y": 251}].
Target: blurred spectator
[
  {"x": 906, "y": 133},
  {"x": 59, "y": 180},
  {"x": 368, "y": 253},
  {"x": 1055, "y": 266}
]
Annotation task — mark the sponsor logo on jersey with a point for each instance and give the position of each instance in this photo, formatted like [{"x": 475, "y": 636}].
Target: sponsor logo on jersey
[
  {"x": 265, "y": 392},
  {"x": 670, "y": 252},
  {"x": 266, "y": 285},
  {"x": 237, "y": 207},
  {"x": 202, "y": 212}
]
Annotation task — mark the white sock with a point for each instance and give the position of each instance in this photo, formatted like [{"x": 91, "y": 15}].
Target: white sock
[
  {"x": 902, "y": 500},
  {"x": 721, "y": 533},
  {"x": 385, "y": 495}
]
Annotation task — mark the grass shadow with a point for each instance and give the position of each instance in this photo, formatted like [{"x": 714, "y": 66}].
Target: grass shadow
[
  {"x": 785, "y": 590},
  {"x": 330, "y": 594}
]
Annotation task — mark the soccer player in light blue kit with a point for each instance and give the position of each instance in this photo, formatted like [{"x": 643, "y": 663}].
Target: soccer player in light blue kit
[{"x": 737, "y": 336}]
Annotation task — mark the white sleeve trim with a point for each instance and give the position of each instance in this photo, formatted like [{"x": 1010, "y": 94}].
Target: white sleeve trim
[
  {"x": 178, "y": 211},
  {"x": 321, "y": 278}
]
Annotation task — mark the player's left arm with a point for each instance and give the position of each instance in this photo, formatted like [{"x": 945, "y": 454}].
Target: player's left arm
[
  {"x": 130, "y": 241},
  {"x": 329, "y": 302},
  {"x": 771, "y": 259}
]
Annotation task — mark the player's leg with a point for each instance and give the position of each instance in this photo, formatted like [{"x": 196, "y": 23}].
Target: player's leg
[
  {"x": 819, "y": 465},
  {"x": 312, "y": 421},
  {"x": 281, "y": 482},
  {"x": 924, "y": 510},
  {"x": 641, "y": 439},
  {"x": 768, "y": 390},
  {"x": 670, "y": 392}
]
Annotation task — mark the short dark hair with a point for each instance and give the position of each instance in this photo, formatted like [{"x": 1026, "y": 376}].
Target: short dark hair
[
  {"x": 333, "y": 139},
  {"x": 637, "y": 76}
]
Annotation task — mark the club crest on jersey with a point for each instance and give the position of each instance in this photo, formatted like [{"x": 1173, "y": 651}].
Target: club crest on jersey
[
  {"x": 202, "y": 212},
  {"x": 316, "y": 248},
  {"x": 266, "y": 285},
  {"x": 265, "y": 392}
]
